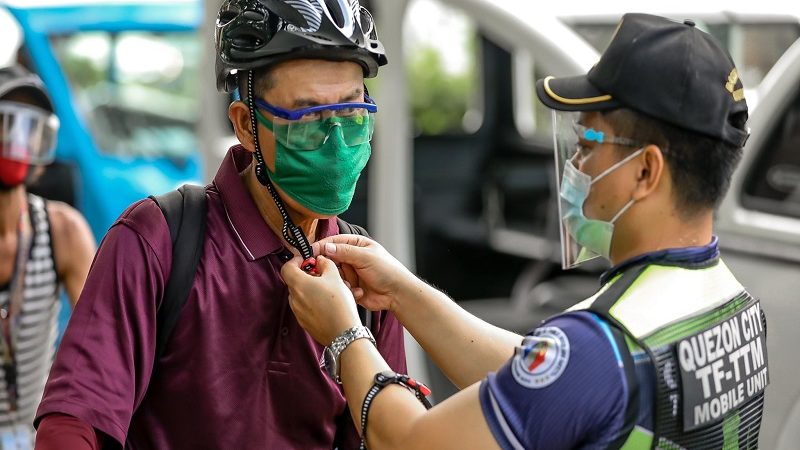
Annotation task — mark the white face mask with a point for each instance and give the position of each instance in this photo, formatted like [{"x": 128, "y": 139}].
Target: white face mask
[{"x": 591, "y": 235}]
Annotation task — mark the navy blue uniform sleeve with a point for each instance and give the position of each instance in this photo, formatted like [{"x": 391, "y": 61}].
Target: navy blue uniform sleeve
[{"x": 564, "y": 388}]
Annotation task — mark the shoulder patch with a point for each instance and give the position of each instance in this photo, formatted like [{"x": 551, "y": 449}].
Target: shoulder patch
[{"x": 541, "y": 358}]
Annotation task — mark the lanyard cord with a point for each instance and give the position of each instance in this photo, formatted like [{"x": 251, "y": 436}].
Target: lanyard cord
[
  {"x": 291, "y": 233},
  {"x": 10, "y": 312}
]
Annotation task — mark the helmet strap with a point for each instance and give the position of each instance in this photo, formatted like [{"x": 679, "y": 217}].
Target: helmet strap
[{"x": 291, "y": 233}]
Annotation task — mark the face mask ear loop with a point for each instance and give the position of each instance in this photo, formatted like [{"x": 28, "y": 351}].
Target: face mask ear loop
[
  {"x": 291, "y": 233},
  {"x": 617, "y": 165},
  {"x": 622, "y": 211},
  {"x": 613, "y": 168}
]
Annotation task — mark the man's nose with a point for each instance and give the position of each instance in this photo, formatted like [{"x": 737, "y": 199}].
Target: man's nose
[{"x": 334, "y": 125}]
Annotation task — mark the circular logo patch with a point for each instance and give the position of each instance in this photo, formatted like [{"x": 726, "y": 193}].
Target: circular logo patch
[{"x": 541, "y": 358}]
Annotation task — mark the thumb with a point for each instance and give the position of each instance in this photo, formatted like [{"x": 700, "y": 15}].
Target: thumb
[
  {"x": 291, "y": 270},
  {"x": 327, "y": 268},
  {"x": 347, "y": 254}
]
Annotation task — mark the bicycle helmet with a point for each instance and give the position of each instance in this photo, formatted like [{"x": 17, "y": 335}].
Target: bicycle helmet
[{"x": 250, "y": 34}]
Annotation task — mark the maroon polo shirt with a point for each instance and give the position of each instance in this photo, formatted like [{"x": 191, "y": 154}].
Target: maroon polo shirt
[{"x": 239, "y": 371}]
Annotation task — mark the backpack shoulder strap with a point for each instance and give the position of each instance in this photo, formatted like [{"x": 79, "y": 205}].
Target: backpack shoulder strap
[
  {"x": 185, "y": 212},
  {"x": 349, "y": 228}
]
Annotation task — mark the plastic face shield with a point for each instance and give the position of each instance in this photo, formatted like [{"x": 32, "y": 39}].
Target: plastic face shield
[
  {"x": 565, "y": 146},
  {"x": 27, "y": 134},
  {"x": 310, "y": 128}
]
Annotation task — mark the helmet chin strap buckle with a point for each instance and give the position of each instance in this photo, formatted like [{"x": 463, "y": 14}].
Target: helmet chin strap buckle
[{"x": 310, "y": 266}]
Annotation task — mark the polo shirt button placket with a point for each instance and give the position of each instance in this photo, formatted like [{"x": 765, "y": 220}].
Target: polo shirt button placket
[
  {"x": 285, "y": 331},
  {"x": 285, "y": 255}
]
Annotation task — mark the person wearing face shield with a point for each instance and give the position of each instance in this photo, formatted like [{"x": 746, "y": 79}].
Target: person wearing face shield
[
  {"x": 237, "y": 370},
  {"x": 671, "y": 350},
  {"x": 44, "y": 246}
]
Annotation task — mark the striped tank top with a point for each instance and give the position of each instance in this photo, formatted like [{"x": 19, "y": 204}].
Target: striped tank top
[{"x": 38, "y": 327}]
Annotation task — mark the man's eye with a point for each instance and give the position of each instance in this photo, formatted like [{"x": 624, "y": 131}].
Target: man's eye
[
  {"x": 311, "y": 116},
  {"x": 347, "y": 112}
]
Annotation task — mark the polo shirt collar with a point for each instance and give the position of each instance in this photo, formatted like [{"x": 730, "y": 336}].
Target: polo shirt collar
[
  {"x": 255, "y": 236},
  {"x": 702, "y": 255}
]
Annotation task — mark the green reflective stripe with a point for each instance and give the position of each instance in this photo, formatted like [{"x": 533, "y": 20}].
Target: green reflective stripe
[
  {"x": 639, "y": 439},
  {"x": 691, "y": 326},
  {"x": 730, "y": 432},
  {"x": 633, "y": 347}
]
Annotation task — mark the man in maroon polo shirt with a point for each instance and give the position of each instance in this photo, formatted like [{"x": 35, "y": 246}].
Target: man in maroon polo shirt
[{"x": 238, "y": 371}]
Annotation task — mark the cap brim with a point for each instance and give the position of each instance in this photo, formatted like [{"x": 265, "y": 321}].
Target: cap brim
[{"x": 573, "y": 94}]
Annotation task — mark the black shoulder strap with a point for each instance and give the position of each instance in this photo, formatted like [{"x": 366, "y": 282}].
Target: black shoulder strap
[
  {"x": 602, "y": 307},
  {"x": 349, "y": 228},
  {"x": 185, "y": 211}
]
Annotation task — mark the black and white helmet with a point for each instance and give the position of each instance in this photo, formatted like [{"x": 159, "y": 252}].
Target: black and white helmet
[{"x": 250, "y": 34}]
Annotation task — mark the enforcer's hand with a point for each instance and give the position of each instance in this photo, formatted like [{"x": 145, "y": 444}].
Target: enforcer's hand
[
  {"x": 322, "y": 304},
  {"x": 373, "y": 274}
]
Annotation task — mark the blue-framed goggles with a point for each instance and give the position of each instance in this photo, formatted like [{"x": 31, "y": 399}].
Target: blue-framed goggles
[{"x": 309, "y": 128}]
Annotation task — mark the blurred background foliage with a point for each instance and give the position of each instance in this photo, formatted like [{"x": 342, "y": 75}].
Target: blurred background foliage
[{"x": 440, "y": 99}]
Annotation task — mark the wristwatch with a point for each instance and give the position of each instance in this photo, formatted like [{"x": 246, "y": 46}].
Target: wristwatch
[{"x": 331, "y": 354}]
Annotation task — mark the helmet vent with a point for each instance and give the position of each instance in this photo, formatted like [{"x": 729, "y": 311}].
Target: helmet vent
[
  {"x": 253, "y": 15},
  {"x": 335, "y": 8},
  {"x": 226, "y": 17},
  {"x": 367, "y": 23}
]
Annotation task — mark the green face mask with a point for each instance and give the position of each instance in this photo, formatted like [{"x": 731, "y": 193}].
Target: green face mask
[{"x": 317, "y": 163}]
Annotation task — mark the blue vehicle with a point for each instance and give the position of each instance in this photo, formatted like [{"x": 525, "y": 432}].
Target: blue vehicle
[{"x": 124, "y": 78}]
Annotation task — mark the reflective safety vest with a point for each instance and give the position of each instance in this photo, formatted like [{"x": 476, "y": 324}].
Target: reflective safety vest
[{"x": 706, "y": 339}]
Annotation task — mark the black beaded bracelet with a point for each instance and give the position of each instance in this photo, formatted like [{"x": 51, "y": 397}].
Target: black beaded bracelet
[{"x": 383, "y": 379}]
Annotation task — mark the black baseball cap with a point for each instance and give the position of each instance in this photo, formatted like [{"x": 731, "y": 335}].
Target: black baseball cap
[
  {"x": 668, "y": 70},
  {"x": 14, "y": 78}
]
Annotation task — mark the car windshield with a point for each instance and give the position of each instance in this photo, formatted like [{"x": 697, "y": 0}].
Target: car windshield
[{"x": 136, "y": 90}]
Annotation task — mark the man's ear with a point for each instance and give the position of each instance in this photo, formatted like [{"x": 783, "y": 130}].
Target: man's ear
[
  {"x": 650, "y": 171},
  {"x": 239, "y": 114}
]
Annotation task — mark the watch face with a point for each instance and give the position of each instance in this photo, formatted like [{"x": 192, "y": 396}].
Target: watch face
[{"x": 330, "y": 362}]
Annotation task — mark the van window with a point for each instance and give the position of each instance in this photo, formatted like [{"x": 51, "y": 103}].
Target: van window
[
  {"x": 755, "y": 46},
  {"x": 441, "y": 50},
  {"x": 136, "y": 91},
  {"x": 532, "y": 119},
  {"x": 773, "y": 184}
]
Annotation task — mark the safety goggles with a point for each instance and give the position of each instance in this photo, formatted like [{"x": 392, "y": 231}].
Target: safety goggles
[
  {"x": 27, "y": 133},
  {"x": 309, "y": 128}
]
